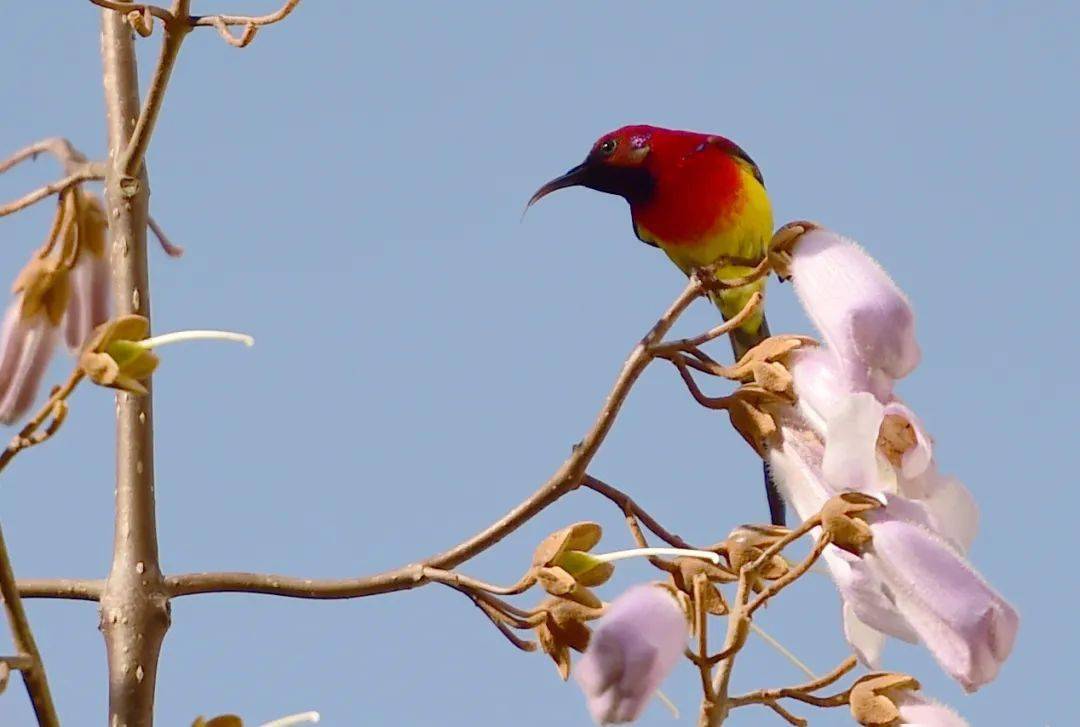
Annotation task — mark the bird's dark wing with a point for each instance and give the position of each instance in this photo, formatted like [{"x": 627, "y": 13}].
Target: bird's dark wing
[
  {"x": 732, "y": 149},
  {"x": 741, "y": 342}
]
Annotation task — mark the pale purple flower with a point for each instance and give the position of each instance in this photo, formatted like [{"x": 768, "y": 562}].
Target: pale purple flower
[
  {"x": 862, "y": 315},
  {"x": 89, "y": 306},
  {"x": 51, "y": 295},
  {"x": 967, "y": 625},
  {"x": 91, "y": 277},
  {"x": 919, "y": 711},
  {"x": 848, "y": 431},
  {"x": 27, "y": 343},
  {"x": 635, "y": 645},
  {"x": 26, "y": 346},
  {"x": 912, "y": 584},
  {"x": 851, "y": 421},
  {"x": 909, "y": 583}
]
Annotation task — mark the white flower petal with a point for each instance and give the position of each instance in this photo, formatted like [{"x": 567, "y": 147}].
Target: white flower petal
[
  {"x": 867, "y": 642},
  {"x": 851, "y": 456}
]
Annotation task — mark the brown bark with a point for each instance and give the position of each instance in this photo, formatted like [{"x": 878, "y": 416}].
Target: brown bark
[
  {"x": 134, "y": 606},
  {"x": 32, "y": 668}
]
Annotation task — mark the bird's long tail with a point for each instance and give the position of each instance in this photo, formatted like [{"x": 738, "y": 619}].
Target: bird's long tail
[{"x": 753, "y": 331}]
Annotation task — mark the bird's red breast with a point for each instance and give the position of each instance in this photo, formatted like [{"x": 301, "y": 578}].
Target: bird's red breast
[{"x": 698, "y": 184}]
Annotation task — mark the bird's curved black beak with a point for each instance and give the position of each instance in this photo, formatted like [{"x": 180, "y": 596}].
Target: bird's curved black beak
[{"x": 573, "y": 178}]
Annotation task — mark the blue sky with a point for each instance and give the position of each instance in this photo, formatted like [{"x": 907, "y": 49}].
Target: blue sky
[{"x": 349, "y": 191}]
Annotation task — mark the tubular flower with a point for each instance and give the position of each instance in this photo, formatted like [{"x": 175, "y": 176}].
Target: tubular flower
[
  {"x": 848, "y": 431},
  {"x": 65, "y": 284},
  {"x": 635, "y": 645},
  {"x": 90, "y": 276},
  {"x": 861, "y": 313},
  {"x": 892, "y": 700},
  {"x": 26, "y": 346}
]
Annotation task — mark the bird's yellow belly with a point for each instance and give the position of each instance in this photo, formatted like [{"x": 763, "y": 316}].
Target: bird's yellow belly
[{"x": 744, "y": 236}]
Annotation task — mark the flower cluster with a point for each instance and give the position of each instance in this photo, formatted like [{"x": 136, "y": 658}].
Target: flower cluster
[
  {"x": 849, "y": 432},
  {"x": 64, "y": 287},
  {"x": 858, "y": 466}
]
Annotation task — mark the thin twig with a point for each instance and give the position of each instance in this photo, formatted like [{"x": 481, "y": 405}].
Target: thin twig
[
  {"x": 627, "y": 504},
  {"x": 714, "y": 709},
  {"x": 495, "y": 617},
  {"x": 790, "y": 577},
  {"x": 251, "y": 23},
  {"x": 727, "y": 326},
  {"x": 807, "y": 688},
  {"x": 701, "y": 628},
  {"x": 37, "y": 686},
  {"x": 26, "y": 436},
  {"x": 85, "y": 174},
  {"x": 635, "y": 532},
  {"x": 805, "y": 527},
  {"x": 170, "y": 249},
  {"x": 126, "y": 7},
  {"x": 132, "y": 158},
  {"x": 709, "y": 402},
  {"x": 21, "y": 662},
  {"x": 524, "y": 583},
  {"x": 70, "y": 158},
  {"x": 70, "y": 589},
  {"x": 455, "y": 580},
  {"x": 760, "y": 270},
  {"x": 788, "y": 716},
  {"x": 27, "y": 152},
  {"x": 260, "y": 20}
]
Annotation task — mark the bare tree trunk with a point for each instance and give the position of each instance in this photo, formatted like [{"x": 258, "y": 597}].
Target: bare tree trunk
[{"x": 134, "y": 606}]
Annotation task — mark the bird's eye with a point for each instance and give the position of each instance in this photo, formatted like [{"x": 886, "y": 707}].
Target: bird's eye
[{"x": 607, "y": 148}]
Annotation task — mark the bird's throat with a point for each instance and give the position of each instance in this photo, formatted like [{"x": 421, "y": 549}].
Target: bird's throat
[{"x": 635, "y": 184}]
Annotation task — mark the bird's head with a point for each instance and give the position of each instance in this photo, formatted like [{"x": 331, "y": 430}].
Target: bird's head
[{"x": 616, "y": 164}]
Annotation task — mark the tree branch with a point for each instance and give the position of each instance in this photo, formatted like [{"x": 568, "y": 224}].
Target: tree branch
[
  {"x": 59, "y": 147},
  {"x": 87, "y": 173},
  {"x": 684, "y": 344},
  {"x": 792, "y": 575},
  {"x": 714, "y": 708},
  {"x": 800, "y": 691},
  {"x": 166, "y": 244},
  {"x": 260, "y": 20},
  {"x": 627, "y": 504},
  {"x": 137, "y": 145},
  {"x": 37, "y": 686},
  {"x": 126, "y": 7},
  {"x": 251, "y": 23},
  {"x": 71, "y": 589},
  {"x": 134, "y": 607},
  {"x": 565, "y": 479}
]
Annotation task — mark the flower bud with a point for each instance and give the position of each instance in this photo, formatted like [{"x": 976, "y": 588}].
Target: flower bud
[{"x": 634, "y": 646}]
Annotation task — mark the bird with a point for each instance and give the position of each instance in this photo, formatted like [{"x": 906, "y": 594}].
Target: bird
[{"x": 700, "y": 199}]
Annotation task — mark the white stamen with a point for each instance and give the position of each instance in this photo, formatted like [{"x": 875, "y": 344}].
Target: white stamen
[
  {"x": 666, "y": 701},
  {"x": 293, "y": 719},
  {"x": 167, "y": 338},
  {"x": 782, "y": 649},
  {"x": 645, "y": 552}
]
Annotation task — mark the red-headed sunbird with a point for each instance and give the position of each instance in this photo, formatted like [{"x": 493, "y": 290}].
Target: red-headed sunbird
[{"x": 698, "y": 197}]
